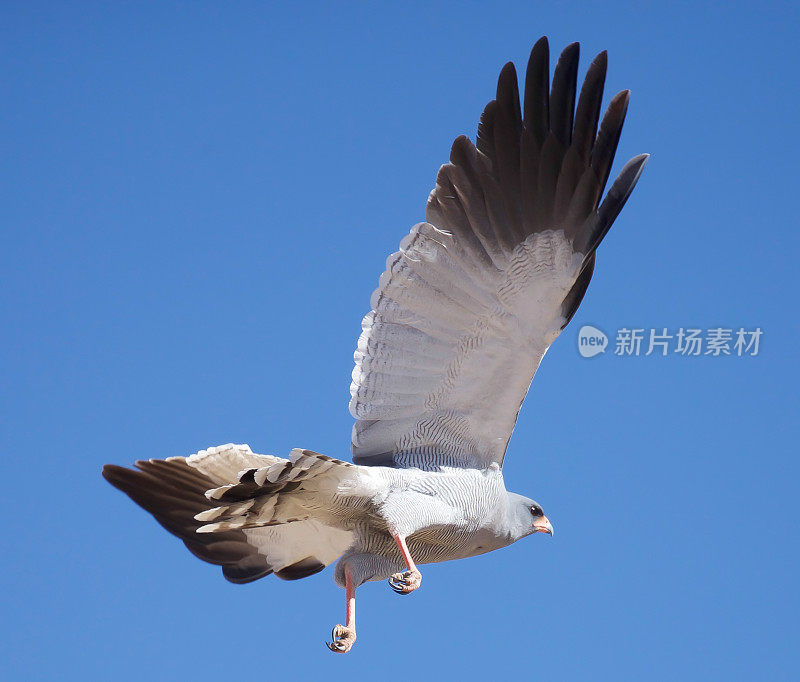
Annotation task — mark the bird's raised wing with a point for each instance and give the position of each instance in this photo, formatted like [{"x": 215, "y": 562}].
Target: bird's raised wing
[{"x": 470, "y": 303}]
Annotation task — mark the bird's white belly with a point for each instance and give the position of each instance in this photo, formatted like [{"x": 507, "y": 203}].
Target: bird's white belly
[{"x": 444, "y": 515}]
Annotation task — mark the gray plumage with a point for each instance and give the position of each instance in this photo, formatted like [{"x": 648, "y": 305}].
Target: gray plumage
[
  {"x": 323, "y": 508},
  {"x": 459, "y": 323}
]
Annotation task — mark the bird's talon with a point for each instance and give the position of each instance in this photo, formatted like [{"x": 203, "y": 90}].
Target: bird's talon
[
  {"x": 343, "y": 639},
  {"x": 406, "y": 582}
]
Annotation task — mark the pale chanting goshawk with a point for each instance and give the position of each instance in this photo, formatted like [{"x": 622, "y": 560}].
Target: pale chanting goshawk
[{"x": 461, "y": 319}]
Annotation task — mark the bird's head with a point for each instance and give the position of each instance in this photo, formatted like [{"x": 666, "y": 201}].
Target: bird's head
[{"x": 526, "y": 517}]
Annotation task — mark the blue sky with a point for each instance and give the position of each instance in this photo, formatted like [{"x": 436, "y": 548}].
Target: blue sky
[{"x": 198, "y": 199}]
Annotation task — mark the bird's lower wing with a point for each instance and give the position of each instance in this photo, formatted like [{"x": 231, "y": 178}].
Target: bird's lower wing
[
  {"x": 468, "y": 306},
  {"x": 174, "y": 491}
]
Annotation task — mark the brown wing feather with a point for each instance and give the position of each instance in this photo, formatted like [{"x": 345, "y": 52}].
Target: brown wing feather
[{"x": 173, "y": 492}]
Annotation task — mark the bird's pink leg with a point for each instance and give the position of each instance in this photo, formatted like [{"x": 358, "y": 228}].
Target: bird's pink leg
[
  {"x": 401, "y": 543},
  {"x": 350, "y": 593},
  {"x": 407, "y": 581},
  {"x": 344, "y": 636}
]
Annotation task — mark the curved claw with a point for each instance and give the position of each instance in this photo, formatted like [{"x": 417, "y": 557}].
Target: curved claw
[
  {"x": 405, "y": 583},
  {"x": 343, "y": 639},
  {"x": 398, "y": 587}
]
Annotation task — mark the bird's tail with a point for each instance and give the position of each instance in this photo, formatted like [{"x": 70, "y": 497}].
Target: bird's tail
[
  {"x": 252, "y": 514},
  {"x": 278, "y": 492}
]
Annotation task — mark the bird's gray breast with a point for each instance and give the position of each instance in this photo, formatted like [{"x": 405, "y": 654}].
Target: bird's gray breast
[
  {"x": 445, "y": 543},
  {"x": 444, "y": 515}
]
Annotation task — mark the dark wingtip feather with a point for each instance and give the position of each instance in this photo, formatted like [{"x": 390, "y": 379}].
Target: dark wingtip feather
[
  {"x": 573, "y": 299},
  {"x": 540, "y": 52},
  {"x": 587, "y": 113},
  {"x": 550, "y": 163},
  {"x": 572, "y": 48},
  {"x": 508, "y": 92},
  {"x": 623, "y": 186},
  {"x": 537, "y": 91},
  {"x": 562, "y": 95},
  {"x": 507, "y": 135},
  {"x": 109, "y": 470},
  {"x": 613, "y": 203},
  {"x": 485, "y": 141},
  {"x": 115, "y": 475},
  {"x": 605, "y": 146},
  {"x": 508, "y": 72},
  {"x": 461, "y": 145}
]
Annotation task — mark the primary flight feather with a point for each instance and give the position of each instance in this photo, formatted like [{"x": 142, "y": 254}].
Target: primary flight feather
[{"x": 461, "y": 319}]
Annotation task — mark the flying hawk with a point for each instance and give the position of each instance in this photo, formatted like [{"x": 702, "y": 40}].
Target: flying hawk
[{"x": 461, "y": 319}]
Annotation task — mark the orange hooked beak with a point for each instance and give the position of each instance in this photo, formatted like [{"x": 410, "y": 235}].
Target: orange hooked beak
[{"x": 542, "y": 525}]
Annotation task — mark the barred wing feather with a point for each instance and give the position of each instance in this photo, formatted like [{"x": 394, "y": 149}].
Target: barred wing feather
[{"x": 468, "y": 306}]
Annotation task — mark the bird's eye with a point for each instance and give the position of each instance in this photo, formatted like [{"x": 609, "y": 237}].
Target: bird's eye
[{"x": 536, "y": 511}]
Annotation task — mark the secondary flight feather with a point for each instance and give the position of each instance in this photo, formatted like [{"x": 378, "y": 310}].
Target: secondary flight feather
[{"x": 460, "y": 321}]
